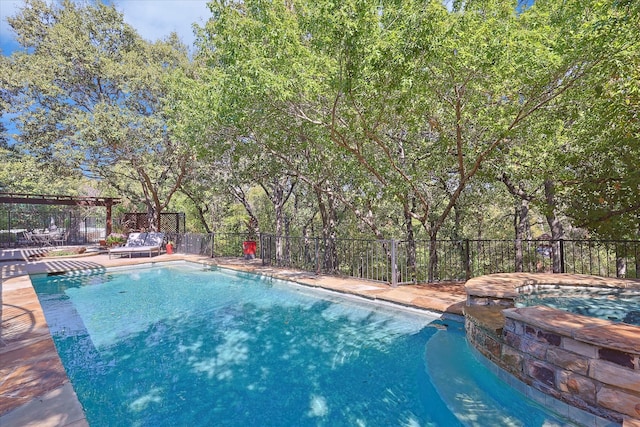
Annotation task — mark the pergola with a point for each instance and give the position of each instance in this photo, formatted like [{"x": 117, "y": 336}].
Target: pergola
[{"x": 43, "y": 199}]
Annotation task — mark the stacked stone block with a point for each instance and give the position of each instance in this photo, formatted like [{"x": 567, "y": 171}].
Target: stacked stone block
[{"x": 588, "y": 363}]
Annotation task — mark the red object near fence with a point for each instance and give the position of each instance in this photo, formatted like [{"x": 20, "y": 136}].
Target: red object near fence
[{"x": 249, "y": 249}]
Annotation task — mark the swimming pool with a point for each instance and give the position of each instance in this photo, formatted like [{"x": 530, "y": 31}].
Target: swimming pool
[
  {"x": 187, "y": 345},
  {"x": 615, "y": 304}
]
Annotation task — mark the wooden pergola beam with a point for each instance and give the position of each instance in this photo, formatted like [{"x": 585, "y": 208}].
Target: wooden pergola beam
[{"x": 44, "y": 199}]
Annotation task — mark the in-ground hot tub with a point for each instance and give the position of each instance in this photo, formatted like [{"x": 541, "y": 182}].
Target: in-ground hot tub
[
  {"x": 559, "y": 357},
  {"x": 614, "y": 304}
]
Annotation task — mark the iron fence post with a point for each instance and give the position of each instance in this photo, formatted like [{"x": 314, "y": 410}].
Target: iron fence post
[
  {"x": 317, "y": 255},
  {"x": 213, "y": 244},
  {"x": 621, "y": 260},
  {"x": 467, "y": 260},
  {"x": 394, "y": 266},
  {"x": 561, "y": 256}
]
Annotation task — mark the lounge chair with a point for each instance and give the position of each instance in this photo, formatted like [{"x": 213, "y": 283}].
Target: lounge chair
[{"x": 140, "y": 243}]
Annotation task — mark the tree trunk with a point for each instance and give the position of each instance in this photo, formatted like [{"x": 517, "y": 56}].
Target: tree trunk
[
  {"x": 520, "y": 220},
  {"x": 332, "y": 255},
  {"x": 201, "y": 208},
  {"x": 411, "y": 242},
  {"x": 557, "y": 232},
  {"x": 253, "y": 224},
  {"x": 279, "y": 192},
  {"x": 328, "y": 216},
  {"x": 277, "y": 195},
  {"x": 433, "y": 254},
  {"x": 153, "y": 217},
  {"x": 621, "y": 260},
  {"x": 287, "y": 243},
  {"x": 521, "y": 230}
]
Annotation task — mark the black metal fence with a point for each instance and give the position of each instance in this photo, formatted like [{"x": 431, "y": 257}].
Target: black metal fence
[
  {"x": 212, "y": 244},
  {"x": 400, "y": 262},
  {"x": 75, "y": 227},
  {"x": 608, "y": 258}
]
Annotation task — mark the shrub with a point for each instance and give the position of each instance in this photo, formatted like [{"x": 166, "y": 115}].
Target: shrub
[{"x": 115, "y": 239}]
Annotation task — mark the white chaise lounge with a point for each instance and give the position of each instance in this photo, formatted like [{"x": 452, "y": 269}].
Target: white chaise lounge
[{"x": 140, "y": 243}]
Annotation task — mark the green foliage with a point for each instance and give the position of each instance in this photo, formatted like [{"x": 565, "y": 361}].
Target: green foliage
[
  {"x": 87, "y": 94},
  {"x": 603, "y": 183},
  {"x": 344, "y": 118},
  {"x": 22, "y": 173},
  {"x": 116, "y": 239},
  {"x": 380, "y": 105}
]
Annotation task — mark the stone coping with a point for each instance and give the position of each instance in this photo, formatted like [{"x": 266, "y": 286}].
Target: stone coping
[
  {"x": 490, "y": 317},
  {"x": 599, "y": 332}
]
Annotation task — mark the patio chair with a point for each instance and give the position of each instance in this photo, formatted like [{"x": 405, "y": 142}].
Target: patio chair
[
  {"x": 140, "y": 243},
  {"x": 60, "y": 239},
  {"x": 24, "y": 239}
]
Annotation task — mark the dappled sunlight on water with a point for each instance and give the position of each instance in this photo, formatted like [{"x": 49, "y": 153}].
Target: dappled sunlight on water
[
  {"x": 152, "y": 396},
  {"x": 232, "y": 352},
  {"x": 473, "y": 394},
  {"x": 318, "y": 407}
]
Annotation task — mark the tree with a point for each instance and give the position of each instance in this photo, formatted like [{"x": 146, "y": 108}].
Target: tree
[
  {"x": 88, "y": 94},
  {"x": 409, "y": 116},
  {"x": 418, "y": 96},
  {"x": 4, "y": 138},
  {"x": 602, "y": 186}
]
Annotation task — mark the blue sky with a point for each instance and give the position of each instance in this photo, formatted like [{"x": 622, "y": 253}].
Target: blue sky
[{"x": 153, "y": 19}]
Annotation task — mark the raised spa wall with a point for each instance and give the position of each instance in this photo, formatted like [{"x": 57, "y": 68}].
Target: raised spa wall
[{"x": 560, "y": 359}]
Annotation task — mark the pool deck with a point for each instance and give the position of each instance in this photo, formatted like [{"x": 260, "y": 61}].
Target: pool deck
[{"x": 34, "y": 388}]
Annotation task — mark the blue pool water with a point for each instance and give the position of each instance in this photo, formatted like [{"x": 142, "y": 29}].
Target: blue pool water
[
  {"x": 186, "y": 346},
  {"x": 615, "y": 304}
]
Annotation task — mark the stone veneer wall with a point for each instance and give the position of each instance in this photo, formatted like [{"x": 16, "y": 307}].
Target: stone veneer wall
[{"x": 588, "y": 363}]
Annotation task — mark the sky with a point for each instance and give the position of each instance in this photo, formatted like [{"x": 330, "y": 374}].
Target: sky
[{"x": 153, "y": 19}]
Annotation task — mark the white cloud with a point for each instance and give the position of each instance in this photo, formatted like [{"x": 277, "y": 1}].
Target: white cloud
[
  {"x": 156, "y": 19},
  {"x": 7, "y": 8}
]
